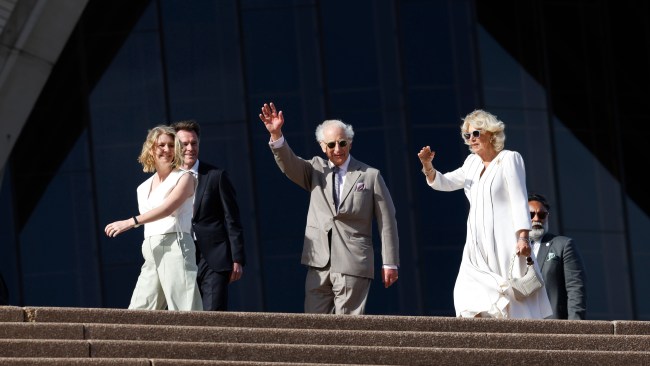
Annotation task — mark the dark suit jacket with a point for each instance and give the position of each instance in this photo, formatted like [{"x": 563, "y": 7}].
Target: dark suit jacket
[
  {"x": 216, "y": 222},
  {"x": 564, "y": 276}
]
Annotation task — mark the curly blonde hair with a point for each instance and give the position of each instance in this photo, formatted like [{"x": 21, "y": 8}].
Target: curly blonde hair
[
  {"x": 485, "y": 121},
  {"x": 146, "y": 157}
]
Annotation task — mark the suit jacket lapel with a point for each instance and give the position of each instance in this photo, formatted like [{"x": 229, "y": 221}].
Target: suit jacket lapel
[
  {"x": 351, "y": 179},
  {"x": 200, "y": 188},
  {"x": 542, "y": 252}
]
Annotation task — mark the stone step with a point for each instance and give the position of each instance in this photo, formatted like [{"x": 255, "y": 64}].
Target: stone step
[
  {"x": 59, "y": 331},
  {"x": 80, "y": 336},
  {"x": 44, "y": 348},
  {"x": 43, "y": 361},
  {"x": 306, "y": 354},
  {"x": 52, "y": 331},
  {"x": 321, "y": 321},
  {"x": 12, "y": 314}
]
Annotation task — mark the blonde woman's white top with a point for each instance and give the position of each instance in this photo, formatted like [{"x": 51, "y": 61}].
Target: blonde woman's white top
[{"x": 180, "y": 220}]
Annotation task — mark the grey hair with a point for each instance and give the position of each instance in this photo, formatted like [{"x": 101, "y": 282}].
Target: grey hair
[
  {"x": 486, "y": 121},
  {"x": 347, "y": 129}
]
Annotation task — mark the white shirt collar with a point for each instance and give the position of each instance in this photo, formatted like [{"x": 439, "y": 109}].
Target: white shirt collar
[
  {"x": 195, "y": 168},
  {"x": 343, "y": 168}
]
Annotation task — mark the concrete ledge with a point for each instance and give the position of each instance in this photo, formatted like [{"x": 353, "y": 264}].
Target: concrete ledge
[
  {"x": 44, "y": 348},
  {"x": 41, "y": 361},
  {"x": 41, "y": 331},
  {"x": 362, "y": 355},
  {"x": 631, "y": 327},
  {"x": 157, "y": 362},
  {"x": 11, "y": 314},
  {"x": 317, "y": 321},
  {"x": 367, "y": 338},
  {"x": 92, "y": 336},
  {"x": 74, "y": 361}
]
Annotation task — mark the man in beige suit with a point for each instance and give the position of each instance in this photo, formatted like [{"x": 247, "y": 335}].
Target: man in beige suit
[{"x": 345, "y": 195}]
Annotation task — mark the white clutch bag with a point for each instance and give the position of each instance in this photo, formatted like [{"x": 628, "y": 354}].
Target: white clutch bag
[{"x": 527, "y": 284}]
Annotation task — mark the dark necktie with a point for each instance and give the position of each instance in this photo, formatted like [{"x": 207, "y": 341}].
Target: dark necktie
[{"x": 335, "y": 187}]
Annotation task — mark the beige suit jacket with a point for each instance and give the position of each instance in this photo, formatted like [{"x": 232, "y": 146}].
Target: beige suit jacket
[{"x": 363, "y": 197}]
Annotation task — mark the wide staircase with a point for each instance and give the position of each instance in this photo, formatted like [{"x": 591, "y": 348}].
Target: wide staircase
[{"x": 81, "y": 336}]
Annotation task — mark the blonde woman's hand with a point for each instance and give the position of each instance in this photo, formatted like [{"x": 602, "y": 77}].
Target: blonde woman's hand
[{"x": 115, "y": 228}]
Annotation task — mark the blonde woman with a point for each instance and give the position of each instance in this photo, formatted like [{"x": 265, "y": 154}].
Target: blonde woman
[
  {"x": 494, "y": 180},
  {"x": 165, "y": 200}
]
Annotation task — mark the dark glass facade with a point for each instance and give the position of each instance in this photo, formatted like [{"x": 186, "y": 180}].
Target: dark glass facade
[{"x": 402, "y": 72}]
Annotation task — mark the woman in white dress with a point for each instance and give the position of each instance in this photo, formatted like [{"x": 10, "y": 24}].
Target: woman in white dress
[
  {"x": 165, "y": 200},
  {"x": 498, "y": 223}
]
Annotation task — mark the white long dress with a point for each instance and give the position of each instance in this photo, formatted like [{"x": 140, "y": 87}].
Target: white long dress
[{"x": 498, "y": 209}]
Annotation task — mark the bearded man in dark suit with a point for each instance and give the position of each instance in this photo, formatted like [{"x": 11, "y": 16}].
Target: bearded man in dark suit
[{"x": 560, "y": 264}]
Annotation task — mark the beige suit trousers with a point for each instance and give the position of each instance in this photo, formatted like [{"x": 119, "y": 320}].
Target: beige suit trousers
[{"x": 328, "y": 292}]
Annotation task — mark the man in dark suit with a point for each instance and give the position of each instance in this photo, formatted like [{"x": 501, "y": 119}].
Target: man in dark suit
[
  {"x": 559, "y": 262},
  {"x": 345, "y": 196},
  {"x": 216, "y": 225}
]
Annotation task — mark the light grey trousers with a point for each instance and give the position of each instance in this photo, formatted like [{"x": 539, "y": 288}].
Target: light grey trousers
[{"x": 168, "y": 275}]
